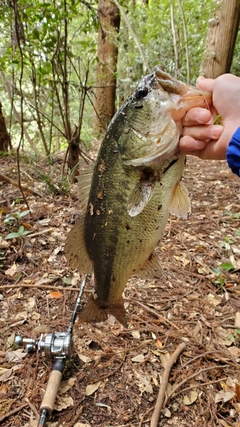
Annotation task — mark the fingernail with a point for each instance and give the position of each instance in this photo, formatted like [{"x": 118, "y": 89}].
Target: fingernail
[
  {"x": 216, "y": 131},
  {"x": 202, "y": 116}
]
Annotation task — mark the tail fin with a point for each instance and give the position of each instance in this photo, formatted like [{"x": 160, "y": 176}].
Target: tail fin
[
  {"x": 118, "y": 311},
  {"x": 95, "y": 312}
]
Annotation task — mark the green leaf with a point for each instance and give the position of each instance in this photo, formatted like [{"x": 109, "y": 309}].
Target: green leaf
[
  {"x": 227, "y": 266},
  {"x": 67, "y": 280},
  {"x": 21, "y": 232},
  {"x": 23, "y": 213}
]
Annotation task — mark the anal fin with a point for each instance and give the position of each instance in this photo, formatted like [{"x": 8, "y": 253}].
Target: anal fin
[
  {"x": 75, "y": 249},
  {"x": 151, "y": 269}
]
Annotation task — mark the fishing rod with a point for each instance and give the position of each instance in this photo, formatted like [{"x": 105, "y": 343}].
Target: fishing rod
[{"x": 58, "y": 347}]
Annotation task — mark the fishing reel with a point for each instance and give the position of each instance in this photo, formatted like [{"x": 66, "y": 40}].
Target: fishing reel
[{"x": 56, "y": 345}]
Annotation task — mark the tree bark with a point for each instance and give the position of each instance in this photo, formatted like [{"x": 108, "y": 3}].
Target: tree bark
[
  {"x": 105, "y": 92},
  {"x": 221, "y": 38},
  {"x": 5, "y": 141}
]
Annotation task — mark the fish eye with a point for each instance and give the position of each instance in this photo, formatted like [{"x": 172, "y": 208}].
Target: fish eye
[{"x": 142, "y": 92}]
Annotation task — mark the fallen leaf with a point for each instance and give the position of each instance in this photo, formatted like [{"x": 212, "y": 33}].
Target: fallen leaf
[
  {"x": 91, "y": 388},
  {"x": 224, "y": 396},
  {"x": 84, "y": 358},
  {"x": 55, "y": 294},
  {"x": 66, "y": 385},
  {"x": 237, "y": 319},
  {"x": 11, "y": 270},
  {"x": 191, "y": 398},
  {"x": 16, "y": 355},
  {"x": 136, "y": 334},
  {"x": 143, "y": 382},
  {"x": 63, "y": 402},
  {"x": 5, "y": 373},
  {"x": 167, "y": 413},
  {"x": 139, "y": 358}
]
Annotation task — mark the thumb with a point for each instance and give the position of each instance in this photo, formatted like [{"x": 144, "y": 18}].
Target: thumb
[{"x": 205, "y": 84}]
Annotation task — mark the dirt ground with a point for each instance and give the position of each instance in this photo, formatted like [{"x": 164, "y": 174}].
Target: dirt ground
[{"x": 116, "y": 374}]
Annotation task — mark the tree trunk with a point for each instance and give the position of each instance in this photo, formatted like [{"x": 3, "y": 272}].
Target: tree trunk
[
  {"x": 105, "y": 92},
  {"x": 5, "y": 141},
  {"x": 221, "y": 38}
]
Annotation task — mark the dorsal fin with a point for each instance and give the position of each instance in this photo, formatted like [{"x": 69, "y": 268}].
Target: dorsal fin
[
  {"x": 180, "y": 204},
  {"x": 84, "y": 184},
  {"x": 75, "y": 249}
]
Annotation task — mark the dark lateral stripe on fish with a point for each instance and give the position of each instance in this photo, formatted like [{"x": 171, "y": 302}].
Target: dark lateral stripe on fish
[{"x": 170, "y": 165}]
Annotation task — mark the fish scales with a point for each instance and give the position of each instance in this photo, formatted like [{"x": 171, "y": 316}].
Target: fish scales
[{"x": 135, "y": 183}]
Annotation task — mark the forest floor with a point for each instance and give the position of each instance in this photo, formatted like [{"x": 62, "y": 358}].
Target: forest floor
[{"x": 115, "y": 374}]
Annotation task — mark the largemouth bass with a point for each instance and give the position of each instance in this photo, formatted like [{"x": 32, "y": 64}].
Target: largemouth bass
[{"x": 134, "y": 185}]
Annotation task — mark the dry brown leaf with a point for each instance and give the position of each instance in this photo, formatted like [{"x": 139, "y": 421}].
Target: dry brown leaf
[
  {"x": 136, "y": 334},
  {"x": 63, "y": 402},
  {"x": 190, "y": 398},
  {"x": 91, "y": 388},
  {"x": 144, "y": 382},
  {"x": 16, "y": 355},
  {"x": 237, "y": 319},
  {"x": 66, "y": 385},
  {"x": 224, "y": 396},
  {"x": 139, "y": 358},
  {"x": 11, "y": 271}
]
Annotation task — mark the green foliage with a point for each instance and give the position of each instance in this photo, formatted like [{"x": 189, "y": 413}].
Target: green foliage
[
  {"x": 20, "y": 233},
  {"x": 12, "y": 220},
  {"x": 15, "y": 217},
  {"x": 48, "y": 57},
  {"x": 152, "y": 24}
]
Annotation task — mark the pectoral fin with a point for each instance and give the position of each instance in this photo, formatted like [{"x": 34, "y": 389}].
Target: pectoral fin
[
  {"x": 140, "y": 196},
  {"x": 152, "y": 268},
  {"x": 75, "y": 249},
  {"x": 180, "y": 204}
]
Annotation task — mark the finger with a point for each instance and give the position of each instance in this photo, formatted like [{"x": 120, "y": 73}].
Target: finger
[
  {"x": 188, "y": 145},
  {"x": 196, "y": 116},
  {"x": 205, "y": 132},
  {"x": 205, "y": 84}
]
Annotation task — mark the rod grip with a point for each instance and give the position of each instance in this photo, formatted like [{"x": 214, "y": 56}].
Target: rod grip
[{"x": 52, "y": 387}]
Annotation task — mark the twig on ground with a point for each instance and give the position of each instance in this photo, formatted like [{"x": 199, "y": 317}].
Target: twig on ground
[
  {"x": 152, "y": 311},
  {"x": 60, "y": 288},
  {"x": 15, "y": 184},
  {"x": 177, "y": 386},
  {"x": 32, "y": 407},
  {"x": 14, "y": 411},
  {"x": 164, "y": 383}
]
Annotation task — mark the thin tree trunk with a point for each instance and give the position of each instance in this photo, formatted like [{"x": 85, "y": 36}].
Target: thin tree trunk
[
  {"x": 105, "y": 92},
  {"x": 5, "y": 141},
  {"x": 17, "y": 115},
  {"x": 221, "y": 38}
]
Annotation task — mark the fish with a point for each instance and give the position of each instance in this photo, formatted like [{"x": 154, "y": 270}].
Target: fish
[{"x": 128, "y": 194}]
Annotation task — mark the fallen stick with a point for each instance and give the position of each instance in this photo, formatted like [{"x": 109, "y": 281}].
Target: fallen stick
[
  {"x": 14, "y": 411},
  {"x": 59, "y": 288},
  {"x": 15, "y": 184},
  {"x": 164, "y": 383}
]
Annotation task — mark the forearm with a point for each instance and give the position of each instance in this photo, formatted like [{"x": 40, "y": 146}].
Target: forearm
[{"x": 233, "y": 153}]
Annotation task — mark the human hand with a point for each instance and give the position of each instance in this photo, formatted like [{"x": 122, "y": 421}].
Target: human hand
[{"x": 200, "y": 136}]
